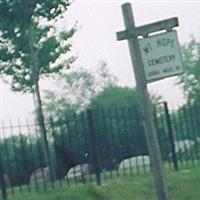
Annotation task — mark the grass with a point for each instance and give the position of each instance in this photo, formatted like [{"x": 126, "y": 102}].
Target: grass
[{"x": 182, "y": 185}]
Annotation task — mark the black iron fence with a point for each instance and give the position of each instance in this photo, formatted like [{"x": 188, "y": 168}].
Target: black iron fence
[{"x": 93, "y": 146}]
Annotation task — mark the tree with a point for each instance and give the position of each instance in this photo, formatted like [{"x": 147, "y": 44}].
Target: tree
[
  {"x": 75, "y": 90},
  {"x": 115, "y": 97},
  {"x": 190, "y": 80},
  {"x": 67, "y": 103},
  {"x": 122, "y": 118},
  {"x": 119, "y": 129},
  {"x": 187, "y": 116},
  {"x": 33, "y": 48}
]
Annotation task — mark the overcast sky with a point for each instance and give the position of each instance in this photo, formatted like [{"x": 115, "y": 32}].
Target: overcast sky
[{"x": 95, "y": 40}]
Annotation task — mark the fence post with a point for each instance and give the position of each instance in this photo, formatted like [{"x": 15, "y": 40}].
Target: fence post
[
  {"x": 2, "y": 180},
  {"x": 171, "y": 136},
  {"x": 93, "y": 146}
]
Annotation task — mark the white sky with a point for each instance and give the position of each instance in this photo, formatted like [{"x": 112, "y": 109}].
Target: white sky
[{"x": 98, "y": 22}]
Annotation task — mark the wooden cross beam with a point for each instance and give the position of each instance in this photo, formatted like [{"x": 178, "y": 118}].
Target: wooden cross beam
[{"x": 145, "y": 30}]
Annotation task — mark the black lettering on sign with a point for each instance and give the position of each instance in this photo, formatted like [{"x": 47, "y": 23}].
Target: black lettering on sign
[
  {"x": 161, "y": 60},
  {"x": 147, "y": 48},
  {"x": 165, "y": 42}
]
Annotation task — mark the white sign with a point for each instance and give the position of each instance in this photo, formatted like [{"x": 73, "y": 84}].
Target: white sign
[{"x": 161, "y": 56}]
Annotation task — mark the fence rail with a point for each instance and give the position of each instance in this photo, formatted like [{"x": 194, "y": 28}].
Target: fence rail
[{"x": 93, "y": 146}]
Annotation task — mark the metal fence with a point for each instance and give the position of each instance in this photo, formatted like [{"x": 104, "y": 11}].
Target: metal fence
[{"x": 93, "y": 146}]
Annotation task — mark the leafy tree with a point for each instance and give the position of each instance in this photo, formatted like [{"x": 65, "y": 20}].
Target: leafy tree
[
  {"x": 32, "y": 46},
  {"x": 121, "y": 114},
  {"x": 75, "y": 90},
  {"x": 115, "y": 97},
  {"x": 188, "y": 115},
  {"x": 67, "y": 103},
  {"x": 120, "y": 128},
  {"x": 190, "y": 80},
  {"x": 116, "y": 119}
]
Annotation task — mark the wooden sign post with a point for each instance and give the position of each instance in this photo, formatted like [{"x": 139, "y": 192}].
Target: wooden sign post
[{"x": 131, "y": 34}]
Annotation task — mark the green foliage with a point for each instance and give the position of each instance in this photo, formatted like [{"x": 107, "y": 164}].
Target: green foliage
[
  {"x": 22, "y": 11},
  {"x": 115, "y": 113},
  {"x": 75, "y": 90},
  {"x": 27, "y": 30},
  {"x": 115, "y": 97},
  {"x": 120, "y": 127},
  {"x": 190, "y": 81},
  {"x": 20, "y": 156}
]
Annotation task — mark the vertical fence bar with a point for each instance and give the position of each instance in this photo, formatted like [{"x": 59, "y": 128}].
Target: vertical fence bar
[
  {"x": 67, "y": 139},
  {"x": 126, "y": 138},
  {"x": 57, "y": 166},
  {"x": 94, "y": 146},
  {"x": 100, "y": 141},
  {"x": 179, "y": 130},
  {"x": 3, "y": 184},
  {"x": 160, "y": 123},
  {"x": 194, "y": 128},
  {"x": 129, "y": 138},
  {"x": 50, "y": 162},
  {"x": 183, "y": 139},
  {"x": 137, "y": 145},
  {"x": 196, "y": 125},
  {"x": 14, "y": 153},
  {"x": 119, "y": 137},
  {"x": 197, "y": 117},
  {"x": 19, "y": 129},
  {"x": 40, "y": 153},
  {"x": 31, "y": 154},
  {"x": 14, "y": 148},
  {"x": 188, "y": 132},
  {"x": 171, "y": 136},
  {"x": 78, "y": 144},
  {"x": 75, "y": 146},
  {"x": 106, "y": 142},
  {"x": 137, "y": 119},
  {"x": 72, "y": 144},
  {"x": 6, "y": 156},
  {"x": 165, "y": 138},
  {"x": 86, "y": 140},
  {"x": 2, "y": 178},
  {"x": 112, "y": 144},
  {"x": 175, "y": 119},
  {"x": 23, "y": 151}
]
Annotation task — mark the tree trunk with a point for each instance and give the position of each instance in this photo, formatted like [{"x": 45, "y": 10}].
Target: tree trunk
[
  {"x": 37, "y": 100},
  {"x": 41, "y": 122}
]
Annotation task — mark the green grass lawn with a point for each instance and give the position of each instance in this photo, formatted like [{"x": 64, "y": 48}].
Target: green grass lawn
[{"x": 182, "y": 185}]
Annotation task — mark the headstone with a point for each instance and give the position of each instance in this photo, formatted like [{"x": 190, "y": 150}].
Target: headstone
[
  {"x": 40, "y": 175},
  {"x": 78, "y": 171},
  {"x": 135, "y": 162}
]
